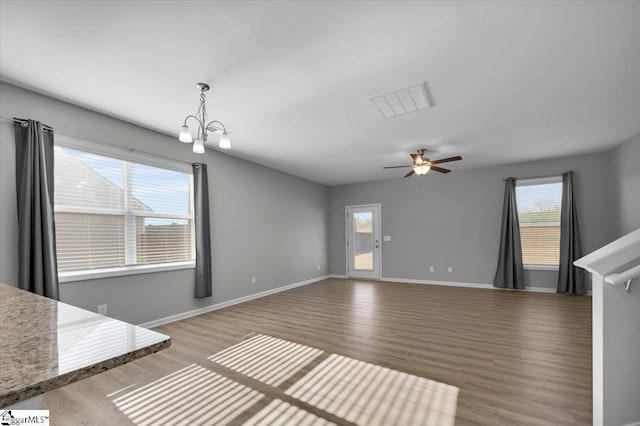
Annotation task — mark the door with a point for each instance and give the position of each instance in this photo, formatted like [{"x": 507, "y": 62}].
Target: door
[{"x": 363, "y": 241}]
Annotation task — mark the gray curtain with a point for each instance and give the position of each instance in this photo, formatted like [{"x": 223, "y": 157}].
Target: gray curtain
[
  {"x": 570, "y": 278},
  {"x": 203, "y": 237},
  {"x": 510, "y": 272},
  {"x": 37, "y": 264}
]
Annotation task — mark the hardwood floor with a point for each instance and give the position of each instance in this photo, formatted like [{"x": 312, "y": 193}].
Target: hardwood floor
[{"x": 357, "y": 352}]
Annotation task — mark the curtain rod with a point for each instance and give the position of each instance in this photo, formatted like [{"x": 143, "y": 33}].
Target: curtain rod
[
  {"x": 534, "y": 177},
  {"x": 23, "y": 120}
]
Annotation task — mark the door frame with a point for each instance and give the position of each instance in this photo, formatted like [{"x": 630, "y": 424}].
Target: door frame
[{"x": 378, "y": 228}]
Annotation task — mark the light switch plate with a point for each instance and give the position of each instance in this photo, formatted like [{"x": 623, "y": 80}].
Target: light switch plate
[{"x": 387, "y": 238}]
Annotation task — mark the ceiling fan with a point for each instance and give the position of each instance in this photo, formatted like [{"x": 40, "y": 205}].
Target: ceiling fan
[{"x": 421, "y": 165}]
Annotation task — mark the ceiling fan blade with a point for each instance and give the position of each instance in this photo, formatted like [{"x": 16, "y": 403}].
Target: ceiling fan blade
[
  {"x": 394, "y": 167},
  {"x": 440, "y": 169},
  {"x": 446, "y": 160},
  {"x": 411, "y": 173}
]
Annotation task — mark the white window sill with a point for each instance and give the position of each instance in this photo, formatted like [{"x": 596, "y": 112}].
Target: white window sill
[
  {"x": 542, "y": 267},
  {"x": 66, "y": 277}
]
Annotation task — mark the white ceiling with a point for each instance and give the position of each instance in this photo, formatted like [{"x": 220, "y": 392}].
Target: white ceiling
[{"x": 510, "y": 81}]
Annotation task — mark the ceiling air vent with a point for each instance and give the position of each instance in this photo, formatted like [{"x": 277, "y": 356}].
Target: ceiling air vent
[{"x": 402, "y": 101}]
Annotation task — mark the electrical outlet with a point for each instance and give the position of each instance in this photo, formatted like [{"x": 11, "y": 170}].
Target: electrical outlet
[
  {"x": 432, "y": 269},
  {"x": 450, "y": 269},
  {"x": 253, "y": 280},
  {"x": 102, "y": 309},
  {"x": 318, "y": 266}
]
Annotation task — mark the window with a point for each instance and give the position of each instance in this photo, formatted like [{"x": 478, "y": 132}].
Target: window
[
  {"x": 539, "y": 202},
  {"x": 118, "y": 212}
]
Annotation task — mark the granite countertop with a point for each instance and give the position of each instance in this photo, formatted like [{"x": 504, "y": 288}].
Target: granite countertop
[{"x": 46, "y": 344}]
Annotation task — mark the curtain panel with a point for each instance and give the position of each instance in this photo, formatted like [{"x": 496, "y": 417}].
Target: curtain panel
[
  {"x": 37, "y": 264},
  {"x": 571, "y": 279},
  {"x": 510, "y": 271},
  {"x": 203, "y": 284}
]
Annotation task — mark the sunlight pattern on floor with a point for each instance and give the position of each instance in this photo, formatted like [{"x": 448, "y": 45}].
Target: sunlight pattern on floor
[
  {"x": 280, "y": 413},
  {"x": 367, "y": 394},
  {"x": 192, "y": 395},
  {"x": 267, "y": 359}
]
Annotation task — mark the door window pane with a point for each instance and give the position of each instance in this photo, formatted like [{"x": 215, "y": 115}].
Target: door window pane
[{"x": 363, "y": 248}]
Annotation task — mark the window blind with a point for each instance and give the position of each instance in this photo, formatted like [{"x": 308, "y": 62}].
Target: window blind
[
  {"x": 114, "y": 213},
  {"x": 539, "y": 207}
]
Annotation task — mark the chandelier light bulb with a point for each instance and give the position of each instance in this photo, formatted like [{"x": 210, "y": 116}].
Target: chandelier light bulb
[
  {"x": 185, "y": 135},
  {"x": 225, "y": 142},
  {"x": 198, "y": 146}
]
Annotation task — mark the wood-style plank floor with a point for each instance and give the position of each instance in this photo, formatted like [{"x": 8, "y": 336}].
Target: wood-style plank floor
[{"x": 357, "y": 352}]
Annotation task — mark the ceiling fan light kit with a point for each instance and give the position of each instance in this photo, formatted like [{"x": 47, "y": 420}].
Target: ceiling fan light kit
[
  {"x": 201, "y": 117},
  {"x": 422, "y": 165},
  {"x": 422, "y": 169}
]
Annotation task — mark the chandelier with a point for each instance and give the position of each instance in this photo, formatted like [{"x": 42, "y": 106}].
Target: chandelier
[{"x": 203, "y": 129}]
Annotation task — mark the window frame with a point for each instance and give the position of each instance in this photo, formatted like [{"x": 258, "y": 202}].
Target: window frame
[
  {"x": 130, "y": 155},
  {"x": 533, "y": 182}
]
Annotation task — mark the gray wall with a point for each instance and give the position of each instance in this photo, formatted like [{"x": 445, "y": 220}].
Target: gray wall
[
  {"x": 454, "y": 220},
  {"x": 621, "y": 312},
  {"x": 264, "y": 223},
  {"x": 625, "y": 167}
]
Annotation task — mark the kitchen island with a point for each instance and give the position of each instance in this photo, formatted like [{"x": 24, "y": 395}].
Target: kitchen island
[{"x": 46, "y": 344}]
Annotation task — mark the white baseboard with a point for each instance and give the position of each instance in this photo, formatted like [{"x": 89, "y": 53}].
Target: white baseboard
[
  {"x": 466, "y": 284},
  {"x": 460, "y": 284},
  {"x": 216, "y": 306},
  {"x": 432, "y": 282}
]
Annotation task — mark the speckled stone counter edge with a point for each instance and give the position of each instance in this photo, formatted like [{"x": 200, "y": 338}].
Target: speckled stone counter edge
[{"x": 14, "y": 397}]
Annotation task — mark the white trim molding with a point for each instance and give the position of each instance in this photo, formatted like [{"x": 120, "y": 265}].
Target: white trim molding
[
  {"x": 539, "y": 180},
  {"x": 216, "y": 306},
  {"x": 94, "y": 274},
  {"x": 453, "y": 284},
  {"x": 465, "y": 284},
  {"x": 541, "y": 267}
]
